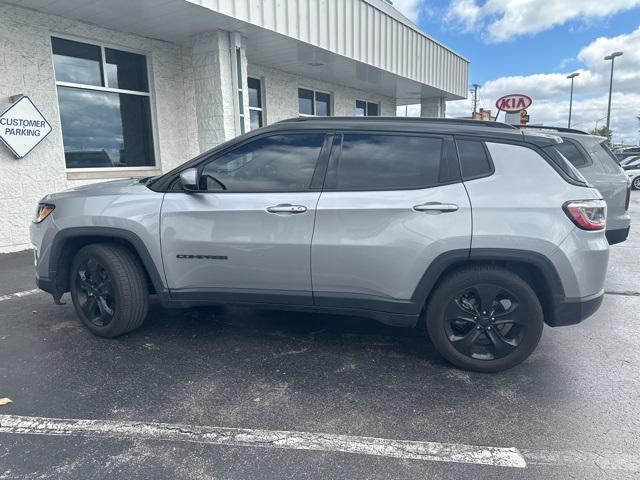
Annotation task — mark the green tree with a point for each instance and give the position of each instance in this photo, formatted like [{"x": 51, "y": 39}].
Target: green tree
[{"x": 602, "y": 132}]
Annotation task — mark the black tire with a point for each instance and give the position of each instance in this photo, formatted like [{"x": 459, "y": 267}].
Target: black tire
[
  {"x": 108, "y": 289},
  {"x": 502, "y": 338},
  {"x": 635, "y": 183}
]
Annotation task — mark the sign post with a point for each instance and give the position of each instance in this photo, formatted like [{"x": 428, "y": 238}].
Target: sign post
[{"x": 23, "y": 127}]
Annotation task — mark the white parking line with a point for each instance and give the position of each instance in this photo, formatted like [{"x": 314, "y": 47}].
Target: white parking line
[
  {"x": 18, "y": 294},
  {"x": 405, "y": 449}
]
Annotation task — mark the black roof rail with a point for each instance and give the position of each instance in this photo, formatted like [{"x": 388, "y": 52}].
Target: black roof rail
[
  {"x": 556, "y": 129},
  {"x": 443, "y": 121}
]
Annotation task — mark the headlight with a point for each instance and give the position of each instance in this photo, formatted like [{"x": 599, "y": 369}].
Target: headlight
[{"x": 43, "y": 211}]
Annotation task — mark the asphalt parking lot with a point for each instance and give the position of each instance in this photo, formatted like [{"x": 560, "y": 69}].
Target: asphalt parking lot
[{"x": 240, "y": 393}]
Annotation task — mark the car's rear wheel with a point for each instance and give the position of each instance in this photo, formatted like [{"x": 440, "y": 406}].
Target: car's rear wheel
[
  {"x": 108, "y": 289},
  {"x": 484, "y": 318},
  {"x": 636, "y": 183}
]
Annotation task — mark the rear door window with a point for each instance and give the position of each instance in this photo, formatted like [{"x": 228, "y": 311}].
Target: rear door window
[{"x": 376, "y": 161}]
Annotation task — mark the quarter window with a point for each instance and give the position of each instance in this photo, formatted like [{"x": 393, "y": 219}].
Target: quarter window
[
  {"x": 105, "y": 107},
  {"x": 279, "y": 163},
  {"x": 387, "y": 162},
  {"x": 313, "y": 103},
  {"x": 367, "y": 109},
  {"x": 474, "y": 159},
  {"x": 256, "y": 111},
  {"x": 571, "y": 153}
]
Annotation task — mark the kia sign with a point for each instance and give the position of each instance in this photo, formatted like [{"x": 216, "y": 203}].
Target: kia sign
[
  {"x": 513, "y": 103},
  {"x": 22, "y": 127}
]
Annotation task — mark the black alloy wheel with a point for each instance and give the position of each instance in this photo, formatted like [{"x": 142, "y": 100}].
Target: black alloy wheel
[
  {"x": 485, "y": 322},
  {"x": 484, "y": 318},
  {"x": 109, "y": 289},
  {"x": 96, "y": 296}
]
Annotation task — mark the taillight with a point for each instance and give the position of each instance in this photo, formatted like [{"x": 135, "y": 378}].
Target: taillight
[
  {"x": 626, "y": 201},
  {"x": 587, "y": 214}
]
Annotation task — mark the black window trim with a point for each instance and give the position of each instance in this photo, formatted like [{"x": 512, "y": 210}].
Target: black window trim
[
  {"x": 332, "y": 170},
  {"x": 318, "y": 173},
  {"x": 536, "y": 149},
  {"x": 482, "y": 141}
]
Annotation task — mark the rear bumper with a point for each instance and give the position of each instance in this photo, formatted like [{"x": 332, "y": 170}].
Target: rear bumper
[
  {"x": 617, "y": 236},
  {"x": 571, "y": 311}
]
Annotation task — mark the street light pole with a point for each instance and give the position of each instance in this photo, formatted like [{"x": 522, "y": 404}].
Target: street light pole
[
  {"x": 611, "y": 57},
  {"x": 572, "y": 76}
]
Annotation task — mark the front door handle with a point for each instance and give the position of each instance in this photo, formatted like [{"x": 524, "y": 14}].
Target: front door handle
[
  {"x": 436, "y": 207},
  {"x": 287, "y": 208}
]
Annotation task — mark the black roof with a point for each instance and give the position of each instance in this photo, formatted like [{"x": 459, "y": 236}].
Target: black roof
[{"x": 443, "y": 126}]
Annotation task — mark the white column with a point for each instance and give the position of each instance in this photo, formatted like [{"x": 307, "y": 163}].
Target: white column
[
  {"x": 215, "y": 87},
  {"x": 433, "y": 107}
]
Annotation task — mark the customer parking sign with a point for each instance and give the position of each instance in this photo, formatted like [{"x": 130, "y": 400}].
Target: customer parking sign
[{"x": 22, "y": 127}]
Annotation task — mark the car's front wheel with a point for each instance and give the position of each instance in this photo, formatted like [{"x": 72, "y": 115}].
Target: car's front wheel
[
  {"x": 484, "y": 318},
  {"x": 108, "y": 289},
  {"x": 636, "y": 183}
]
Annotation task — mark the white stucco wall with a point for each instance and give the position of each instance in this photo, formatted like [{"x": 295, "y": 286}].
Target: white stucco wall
[
  {"x": 26, "y": 68},
  {"x": 281, "y": 94}
]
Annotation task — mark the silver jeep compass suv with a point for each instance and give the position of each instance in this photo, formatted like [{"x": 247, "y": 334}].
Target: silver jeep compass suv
[{"x": 483, "y": 233}]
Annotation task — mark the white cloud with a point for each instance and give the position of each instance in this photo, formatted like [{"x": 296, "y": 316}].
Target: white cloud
[
  {"x": 502, "y": 20},
  {"x": 409, "y": 8},
  {"x": 550, "y": 91}
]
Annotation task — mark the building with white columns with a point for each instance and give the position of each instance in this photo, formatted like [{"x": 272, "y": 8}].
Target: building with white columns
[{"x": 136, "y": 87}]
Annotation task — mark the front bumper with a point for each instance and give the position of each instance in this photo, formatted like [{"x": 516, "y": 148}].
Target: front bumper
[
  {"x": 617, "y": 236},
  {"x": 570, "y": 311}
]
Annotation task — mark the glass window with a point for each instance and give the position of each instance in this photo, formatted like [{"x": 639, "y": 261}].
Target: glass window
[
  {"x": 366, "y": 109},
  {"x": 571, "y": 153},
  {"x": 474, "y": 159},
  {"x": 281, "y": 163},
  {"x": 255, "y": 103},
  {"x": 256, "y": 118},
  {"x": 126, "y": 71},
  {"x": 105, "y": 129},
  {"x": 391, "y": 162},
  {"x": 305, "y": 100},
  {"x": 255, "y": 93},
  {"x": 101, "y": 127},
  {"x": 323, "y": 104},
  {"x": 77, "y": 62},
  {"x": 314, "y": 103}
]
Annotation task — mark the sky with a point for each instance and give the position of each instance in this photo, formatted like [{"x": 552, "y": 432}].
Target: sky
[{"x": 530, "y": 46}]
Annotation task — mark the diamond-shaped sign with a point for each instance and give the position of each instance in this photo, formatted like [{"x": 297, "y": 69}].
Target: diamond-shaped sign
[{"x": 22, "y": 127}]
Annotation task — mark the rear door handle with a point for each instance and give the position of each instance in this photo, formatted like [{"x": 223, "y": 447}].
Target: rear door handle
[
  {"x": 287, "y": 208},
  {"x": 436, "y": 207}
]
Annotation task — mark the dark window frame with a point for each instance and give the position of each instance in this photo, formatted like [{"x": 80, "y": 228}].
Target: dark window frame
[
  {"x": 367, "y": 105},
  {"x": 483, "y": 142},
  {"x": 313, "y": 103},
  {"x": 261, "y": 97},
  {"x": 315, "y": 185},
  {"x": 105, "y": 88},
  {"x": 336, "y": 153}
]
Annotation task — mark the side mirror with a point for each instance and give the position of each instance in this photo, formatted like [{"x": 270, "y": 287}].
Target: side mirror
[{"x": 189, "y": 179}]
